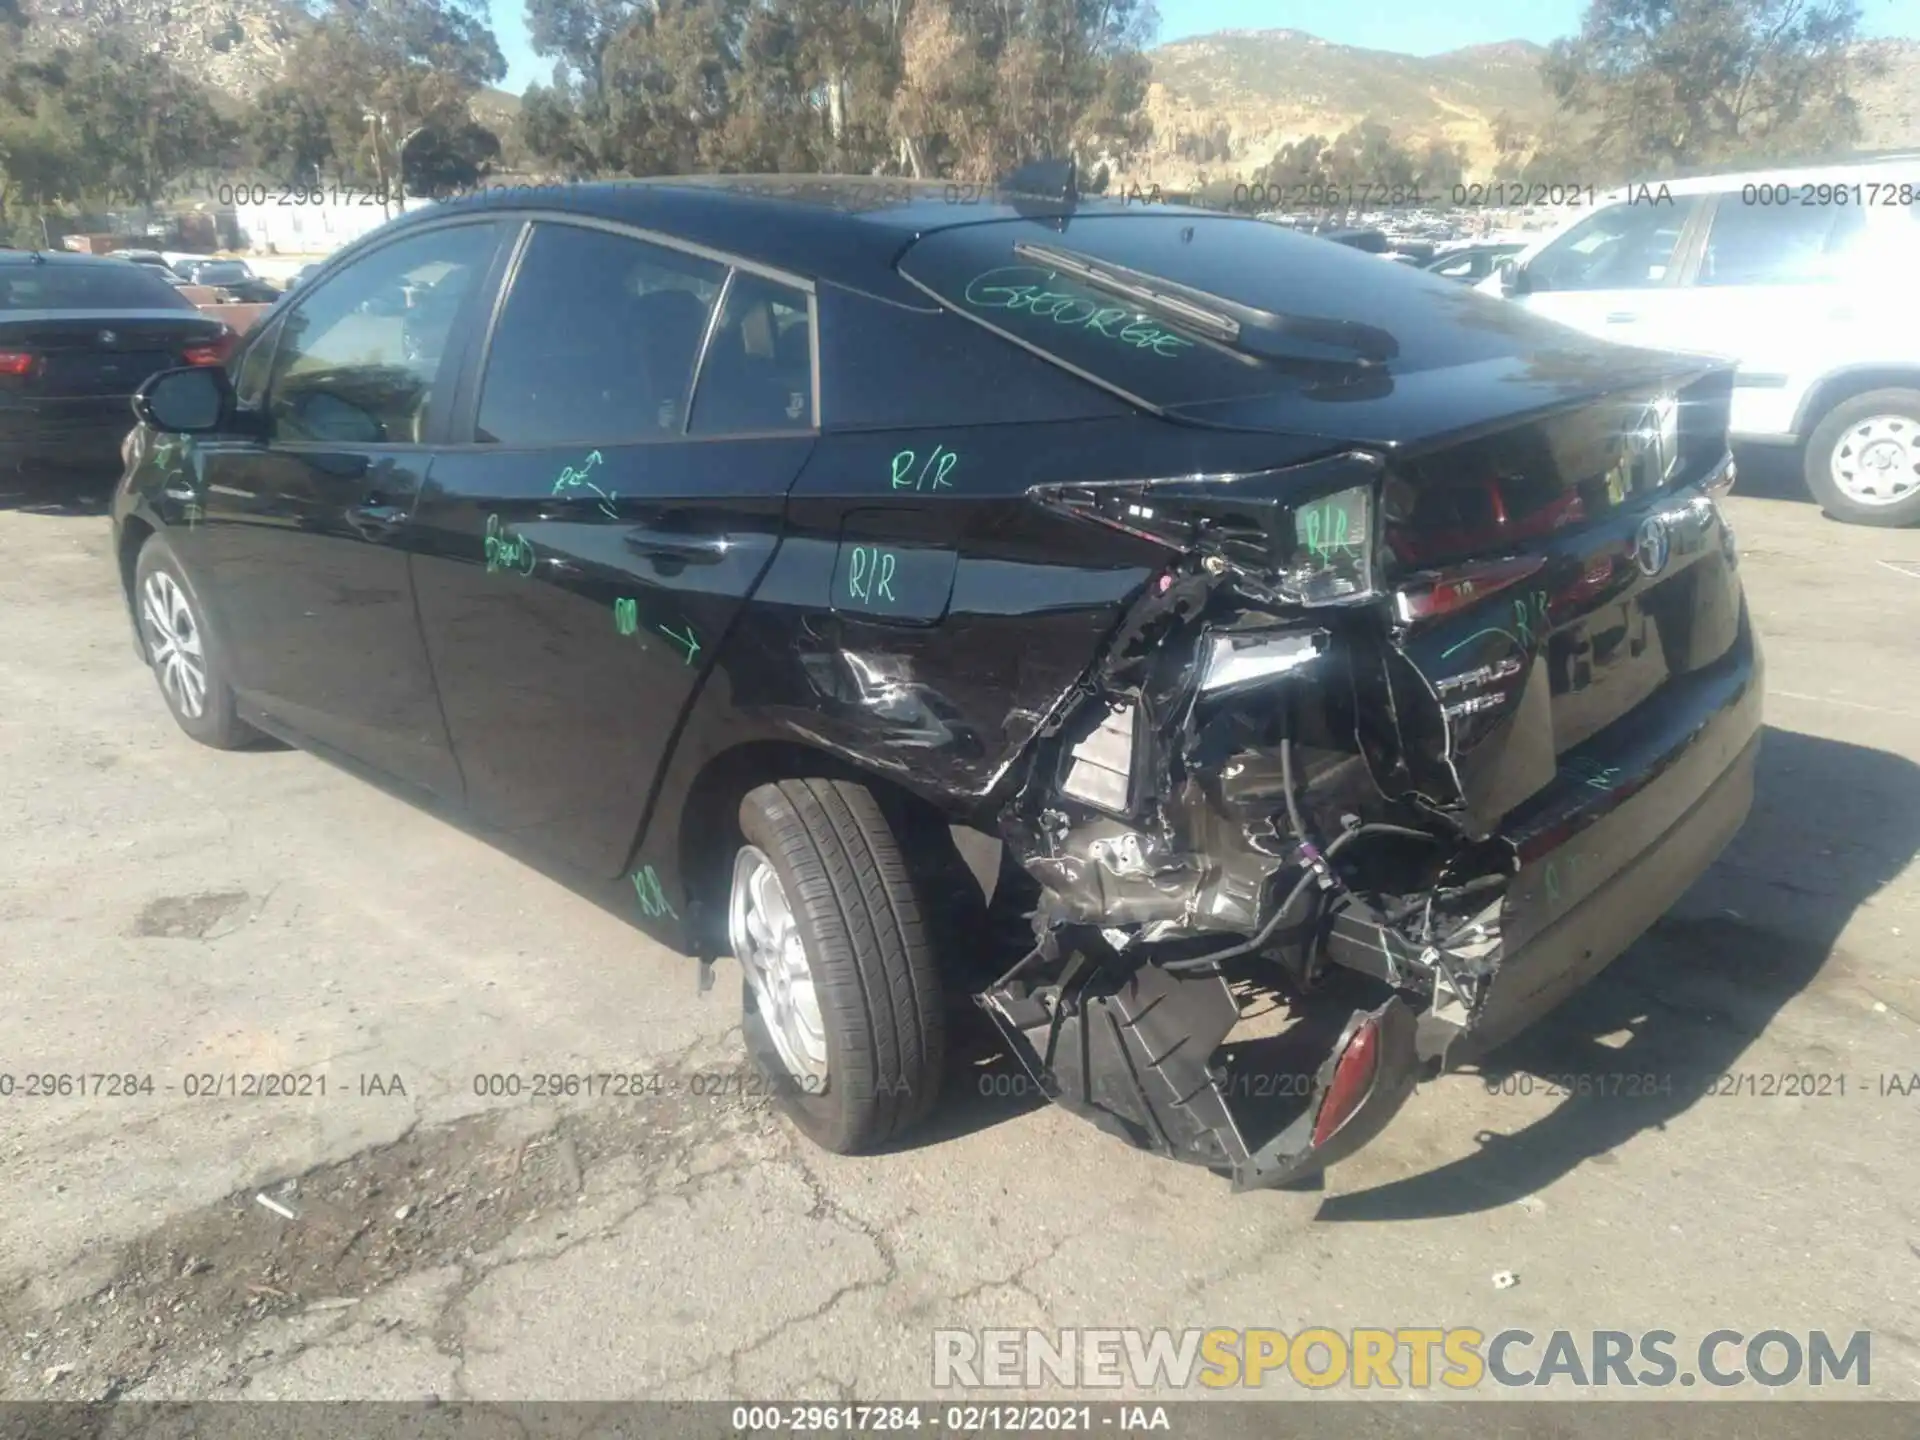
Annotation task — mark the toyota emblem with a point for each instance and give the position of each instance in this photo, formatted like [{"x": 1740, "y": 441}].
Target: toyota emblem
[
  {"x": 1651, "y": 545},
  {"x": 109, "y": 337}
]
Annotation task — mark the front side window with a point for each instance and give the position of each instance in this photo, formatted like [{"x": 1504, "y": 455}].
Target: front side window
[
  {"x": 358, "y": 358},
  {"x": 597, "y": 342},
  {"x": 1629, "y": 246},
  {"x": 1767, "y": 244},
  {"x": 758, "y": 374}
]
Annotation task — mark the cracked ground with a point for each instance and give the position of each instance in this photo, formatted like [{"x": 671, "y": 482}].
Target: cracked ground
[{"x": 171, "y": 912}]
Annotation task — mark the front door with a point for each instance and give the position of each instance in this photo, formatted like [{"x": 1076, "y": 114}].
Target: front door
[
  {"x": 587, "y": 550},
  {"x": 301, "y": 532}
]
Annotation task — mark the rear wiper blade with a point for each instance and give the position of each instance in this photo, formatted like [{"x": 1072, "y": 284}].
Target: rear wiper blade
[{"x": 1227, "y": 322}]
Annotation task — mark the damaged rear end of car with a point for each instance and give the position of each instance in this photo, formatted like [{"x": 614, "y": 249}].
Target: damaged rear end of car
[{"x": 1399, "y": 745}]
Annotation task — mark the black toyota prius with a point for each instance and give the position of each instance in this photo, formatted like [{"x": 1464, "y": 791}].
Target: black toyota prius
[{"x": 1316, "y": 638}]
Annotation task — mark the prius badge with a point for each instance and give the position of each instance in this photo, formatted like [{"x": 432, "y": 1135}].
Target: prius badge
[{"x": 1652, "y": 545}]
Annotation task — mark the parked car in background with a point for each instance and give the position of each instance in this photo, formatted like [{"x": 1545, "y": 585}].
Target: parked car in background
[
  {"x": 234, "y": 277},
  {"x": 78, "y": 335},
  {"x": 1354, "y": 237},
  {"x": 1806, "y": 277},
  {"x": 1312, "y": 633},
  {"x": 1471, "y": 264},
  {"x": 151, "y": 260}
]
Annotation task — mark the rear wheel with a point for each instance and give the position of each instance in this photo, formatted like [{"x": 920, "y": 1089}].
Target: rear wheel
[
  {"x": 1863, "y": 459},
  {"x": 841, "y": 996},
  {"x": 187, "y": 658}
]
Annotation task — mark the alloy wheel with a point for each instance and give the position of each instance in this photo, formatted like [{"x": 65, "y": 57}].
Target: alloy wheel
[
  {"x": 1877, "y": 461},
  {"x": 174, "y": 644},
  {"x": 766, "y": 942}
]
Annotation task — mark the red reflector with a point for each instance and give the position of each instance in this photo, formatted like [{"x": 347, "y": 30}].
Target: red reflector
[
  {"x": 15, "y": 362},
  {"x": 1352, "y": 1079}
]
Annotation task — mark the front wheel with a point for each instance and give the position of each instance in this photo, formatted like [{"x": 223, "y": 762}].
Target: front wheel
[
  {"x": 1863, "y": 459},
  {"x": 187, "y": 658},
  {"x": 844, "y": 1014}
]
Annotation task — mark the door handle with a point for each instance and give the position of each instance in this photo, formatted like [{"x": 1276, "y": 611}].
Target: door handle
[
  {"x": 374, "y": 519},
  {"x": 678, "y": 545},
  {"x": 1622, "y": 317}
]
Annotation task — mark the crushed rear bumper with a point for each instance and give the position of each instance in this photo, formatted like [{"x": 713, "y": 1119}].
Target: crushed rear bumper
[{"x": 1138, "y": 1049}]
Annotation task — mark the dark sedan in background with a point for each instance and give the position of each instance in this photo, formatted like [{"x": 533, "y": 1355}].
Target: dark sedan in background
[
  {"x": 78, "y": 335},
  {"x": 1313, "y": 633}
]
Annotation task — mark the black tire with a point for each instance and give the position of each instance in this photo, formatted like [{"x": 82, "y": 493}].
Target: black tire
[
  {"x": 1894, "y": 405},
  {"x": 871, "y": 958},
  {"x": 217, "y": 724}
]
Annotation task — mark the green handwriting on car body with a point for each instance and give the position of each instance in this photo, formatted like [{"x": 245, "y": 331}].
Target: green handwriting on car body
[
  {"x": 686, "y": 641},
  {"x": 653, "y": 898},
  {"x": 1325, "y": 528},
  {"x": 869, "y": 570},
  {"x": 940, "y": 464},
  {"x": 507, "y": 551},
  {"x": 1062, "y": 308},
  {"x": 626, "y": 619},
  {"x": 573, "y": 478}
]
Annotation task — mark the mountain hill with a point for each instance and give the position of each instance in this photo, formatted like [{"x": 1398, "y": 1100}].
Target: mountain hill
[{"x": 1224, "y": 103}]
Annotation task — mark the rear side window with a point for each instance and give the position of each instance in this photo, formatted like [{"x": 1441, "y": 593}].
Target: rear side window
[
  {"x": 114, "y": 286},
  {"x": 597, "y": 342},
  {"x": 758, "y": 373}
]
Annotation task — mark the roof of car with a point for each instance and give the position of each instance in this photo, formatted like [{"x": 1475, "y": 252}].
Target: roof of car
[
  {"x": 56, "y": 257},
  {"x": 1836, "y": 173},
  {"x": 844, "y": 228}
]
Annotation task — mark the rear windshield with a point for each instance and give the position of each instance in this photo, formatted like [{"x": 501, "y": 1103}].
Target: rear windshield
[
  {"x": 225, "y": 270},
  {"x": 1150, "y": 357},
  {"x": 54, "y": 286}
]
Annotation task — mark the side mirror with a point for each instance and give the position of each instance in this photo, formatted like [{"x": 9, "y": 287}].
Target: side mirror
[
  {"x": 1513, "y": 276},
  {"x": 189, "y": 401}
]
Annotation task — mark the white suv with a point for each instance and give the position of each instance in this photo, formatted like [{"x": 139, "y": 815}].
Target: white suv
[{"x": 1809, "y": 278}]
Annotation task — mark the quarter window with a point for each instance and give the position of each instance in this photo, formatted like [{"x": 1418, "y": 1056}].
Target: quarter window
[
  {"x": 597, "y": 342},
  {"x": 357, "y": 360},
  {"x": 1624, "y": 247},
  {"x": 758, "y": 374}
]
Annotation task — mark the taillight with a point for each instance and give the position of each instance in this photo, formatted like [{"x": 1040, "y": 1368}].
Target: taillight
[
  {"x": 16, "y": 362},
  {"x": 1352, "y": 1079},
  {"x": 1441, "y": 592},
  {"x": 214, "y": 352},
  {"x": 1289, "y": 529}
]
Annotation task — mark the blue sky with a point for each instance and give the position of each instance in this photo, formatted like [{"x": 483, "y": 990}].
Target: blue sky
[{"x": 1411, "y": 26}]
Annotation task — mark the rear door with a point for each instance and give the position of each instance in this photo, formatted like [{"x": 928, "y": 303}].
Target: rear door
[{"x": 629, "y": 436}]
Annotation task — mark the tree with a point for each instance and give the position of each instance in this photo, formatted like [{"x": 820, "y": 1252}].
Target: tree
[
  {"x": 444, "y": 161},
  {"x": 1675, "y": 85},
  {"x": 370, "y": 78},
  {"x": 961, "y": 88}
]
